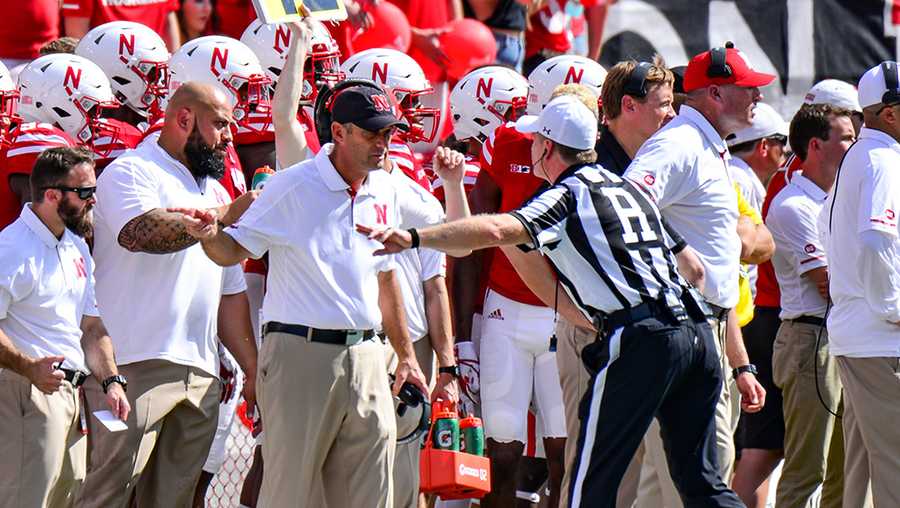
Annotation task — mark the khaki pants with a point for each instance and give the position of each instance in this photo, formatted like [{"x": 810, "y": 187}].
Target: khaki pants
[
  {"x": 656, "y": 489},
  {"x": 574, "y": 379},
  {"x": 174, "y": 410},
  {"x": 871, "y": 431},
  {"x": 329, "y": 424},
  {"x": 813, "y": 438},
  {"x": 406, "y": 458},
  {"x": 42, "y": 450}
]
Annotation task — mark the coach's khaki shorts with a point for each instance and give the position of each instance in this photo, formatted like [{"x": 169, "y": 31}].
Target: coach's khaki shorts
[
  {"x": 42, "y": 449},
  {"x": 174, "y": 411}
]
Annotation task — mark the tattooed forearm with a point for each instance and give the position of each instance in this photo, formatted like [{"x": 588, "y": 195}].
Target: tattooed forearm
[{"x": 155, "y": 232}]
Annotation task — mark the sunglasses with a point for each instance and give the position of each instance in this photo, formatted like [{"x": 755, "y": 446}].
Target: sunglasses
[{"x": 84, "y": 193}]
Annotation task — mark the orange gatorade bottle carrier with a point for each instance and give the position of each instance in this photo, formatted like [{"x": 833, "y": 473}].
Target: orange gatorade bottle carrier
[{"x": 449, "y": 473}]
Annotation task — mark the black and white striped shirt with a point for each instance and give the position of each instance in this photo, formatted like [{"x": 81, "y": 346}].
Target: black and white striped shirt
[{"x": 605, "y": 238}]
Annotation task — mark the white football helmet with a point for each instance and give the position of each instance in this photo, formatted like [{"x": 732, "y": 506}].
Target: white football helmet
[
  {"x": 404, "y": 80},
  {"x": 562, "y": 70},
  {"x": 481, "y": 100},
  {"x": 70, "y": 92},
  {"x": 135, "y": 59},
  {"x": 270, "y": 43},
  {"x": 229, "y": 65},
  {"x": 9, "y": 98}
]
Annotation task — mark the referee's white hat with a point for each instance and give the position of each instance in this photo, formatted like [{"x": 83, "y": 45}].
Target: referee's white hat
[
  {"x": 766, "y": 123},
  {"x": 564, "y": 120}
]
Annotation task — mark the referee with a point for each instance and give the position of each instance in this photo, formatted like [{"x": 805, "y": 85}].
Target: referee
[{"x": 607, "y": 243}]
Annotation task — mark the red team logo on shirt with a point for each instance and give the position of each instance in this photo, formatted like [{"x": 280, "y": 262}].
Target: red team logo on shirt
[
  {"x": 649, "y": 179},
  {"x": 381, "y": 214},
  {"x": 80, "y": 269},
  {"x": 809, "y": 248}
]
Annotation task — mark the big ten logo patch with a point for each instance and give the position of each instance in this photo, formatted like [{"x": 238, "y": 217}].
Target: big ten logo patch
[
  {"x": 380, "y": 214},
  {"x": 522, "y": 169}
]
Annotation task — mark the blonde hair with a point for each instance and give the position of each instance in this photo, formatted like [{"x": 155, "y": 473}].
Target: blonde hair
[{"x": 582, "y": 93}]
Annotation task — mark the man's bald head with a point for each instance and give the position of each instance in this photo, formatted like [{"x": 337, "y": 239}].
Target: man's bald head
[{"x": 197, "y": 97}]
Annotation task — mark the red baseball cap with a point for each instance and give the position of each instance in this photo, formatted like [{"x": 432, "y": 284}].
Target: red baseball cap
[{"x": 723, "y": 66}]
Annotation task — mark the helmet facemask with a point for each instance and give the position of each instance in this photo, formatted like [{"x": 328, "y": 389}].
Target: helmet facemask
[
  {"x": 96, "y": 127},
  {"x": 416, "y": 115},
  {"x": 9, "y": 118},
  {"x": 253, "y": 110}
]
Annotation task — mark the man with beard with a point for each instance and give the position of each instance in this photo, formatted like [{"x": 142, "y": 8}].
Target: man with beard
[
  {"x": 160, "y": 295},
  {"x": 50, "y": 335}
]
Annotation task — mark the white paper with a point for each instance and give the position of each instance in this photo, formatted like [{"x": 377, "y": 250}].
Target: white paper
[{"x": 110, "y": 421}]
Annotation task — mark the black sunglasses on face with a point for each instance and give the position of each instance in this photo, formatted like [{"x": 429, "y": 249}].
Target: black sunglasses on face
[{"x": 83, "y": 193}]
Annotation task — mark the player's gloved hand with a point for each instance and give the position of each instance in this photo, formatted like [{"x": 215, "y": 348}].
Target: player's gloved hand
[{"x": 469, "y": 375}]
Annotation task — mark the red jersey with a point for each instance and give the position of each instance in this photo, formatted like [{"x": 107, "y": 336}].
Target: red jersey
[
  {"x": 234, "y": 17},
  {"x": 28, "y": 141},
  {"x": 233, "y": 180},
  {"x": 425, "y": 14},
  {"x": 402, "y": 155},
  {"x": 473, "y": 167},
  {"x": 106, "y": 149},
  {"x": 767, "y": 292},
  {"x": 506, "y": 158},
  {"x": 244, "y": 136},
  {"x": 27, "y": 27},
  {"x": 153, "y": 13},
  {"x": 550, "y": 28}
]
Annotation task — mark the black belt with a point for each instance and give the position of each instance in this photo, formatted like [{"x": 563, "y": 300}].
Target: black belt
[
  {"x": 336, "y": 337},
  {"x": 720, "y": 313},
  {"x": 809, "y": 320},
  {"x": 76, "y": 377},
  {"x": 607, "y": 322}
]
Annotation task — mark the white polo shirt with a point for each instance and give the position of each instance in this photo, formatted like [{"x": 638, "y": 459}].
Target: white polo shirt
[
  {"x": 684, "y": 168},
  {"x": 46, "y": 287},
  {"x": 865, "y": 198},
  {"x": 322, "y": 272},
  {"x": 155, "y": 306},
  {"x": 792, "y": 220},
  {"x": 746, "y": 179},
  {"x": 418, "y": 209}
]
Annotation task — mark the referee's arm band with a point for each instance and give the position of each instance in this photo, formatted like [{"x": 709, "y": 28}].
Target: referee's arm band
[{"x": 678, "y": 247}]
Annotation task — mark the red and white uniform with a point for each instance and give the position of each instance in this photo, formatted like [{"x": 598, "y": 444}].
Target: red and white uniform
[
  {"x": 402, "y": 155},
  {"x": 245, "y": 136},
  {"x": 768, "y": 293},
  {"x": 233, "y": 181},
  {"x": 106, "y": 148},
  {"x": 27, "y": 27},
  {"x": 550, "y": 28},
  {"x": 28, "y": 141},
  {"x": 152, "y": 13},
  {"x": 517, "y": 366}
]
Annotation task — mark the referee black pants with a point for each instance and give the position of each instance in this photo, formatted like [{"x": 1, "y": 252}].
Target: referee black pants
[{"x": 653, "y": 368}]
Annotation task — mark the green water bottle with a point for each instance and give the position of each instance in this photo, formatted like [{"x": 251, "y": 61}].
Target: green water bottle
[
  {"x": 472, "y": 435},
  {"x": 445, "y": 435}
]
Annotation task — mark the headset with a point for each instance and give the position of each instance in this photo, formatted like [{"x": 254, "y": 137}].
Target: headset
[
  {"x": 325, "y": 101},
  {"x": 410, "y": 396},
  {"x": 891, "y": 84},
  {"x": 718, "y": 64},
  {"x": 636, "y": 86}
]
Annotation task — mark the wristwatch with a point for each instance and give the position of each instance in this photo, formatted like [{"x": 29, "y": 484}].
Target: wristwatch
[
  {"x": 115, "y": 379},
  {"x": 744, "y": 368},
  {"x": 453, "y": 370}
]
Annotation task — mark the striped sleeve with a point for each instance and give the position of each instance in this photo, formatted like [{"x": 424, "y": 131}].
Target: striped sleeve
[
  {"x": 545, "y": 216},
  {"x": 32, "y": 140}
]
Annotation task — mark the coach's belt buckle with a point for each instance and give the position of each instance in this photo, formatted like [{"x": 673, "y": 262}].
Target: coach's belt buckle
[{"x": 354, "y": 336}]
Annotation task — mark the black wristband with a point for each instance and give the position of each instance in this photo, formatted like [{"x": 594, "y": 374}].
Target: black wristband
[{"x": 415, "y": 238}]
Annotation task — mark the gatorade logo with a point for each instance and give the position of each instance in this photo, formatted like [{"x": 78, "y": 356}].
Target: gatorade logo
[
  {"x": 474, "y": 472},
  {"x": 445, "y": 438}
]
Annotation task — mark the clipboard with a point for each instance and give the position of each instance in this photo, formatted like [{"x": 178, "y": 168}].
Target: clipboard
[{"x": 282, "y": 11}]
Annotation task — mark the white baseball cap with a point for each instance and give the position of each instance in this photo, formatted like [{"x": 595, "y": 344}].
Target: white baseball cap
[
  {"x": 872, "y": 85},
  {"x": 564, "y": 120},
  {"x": 834, "y": 92},
  {"x": 766, "y": 123}
]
